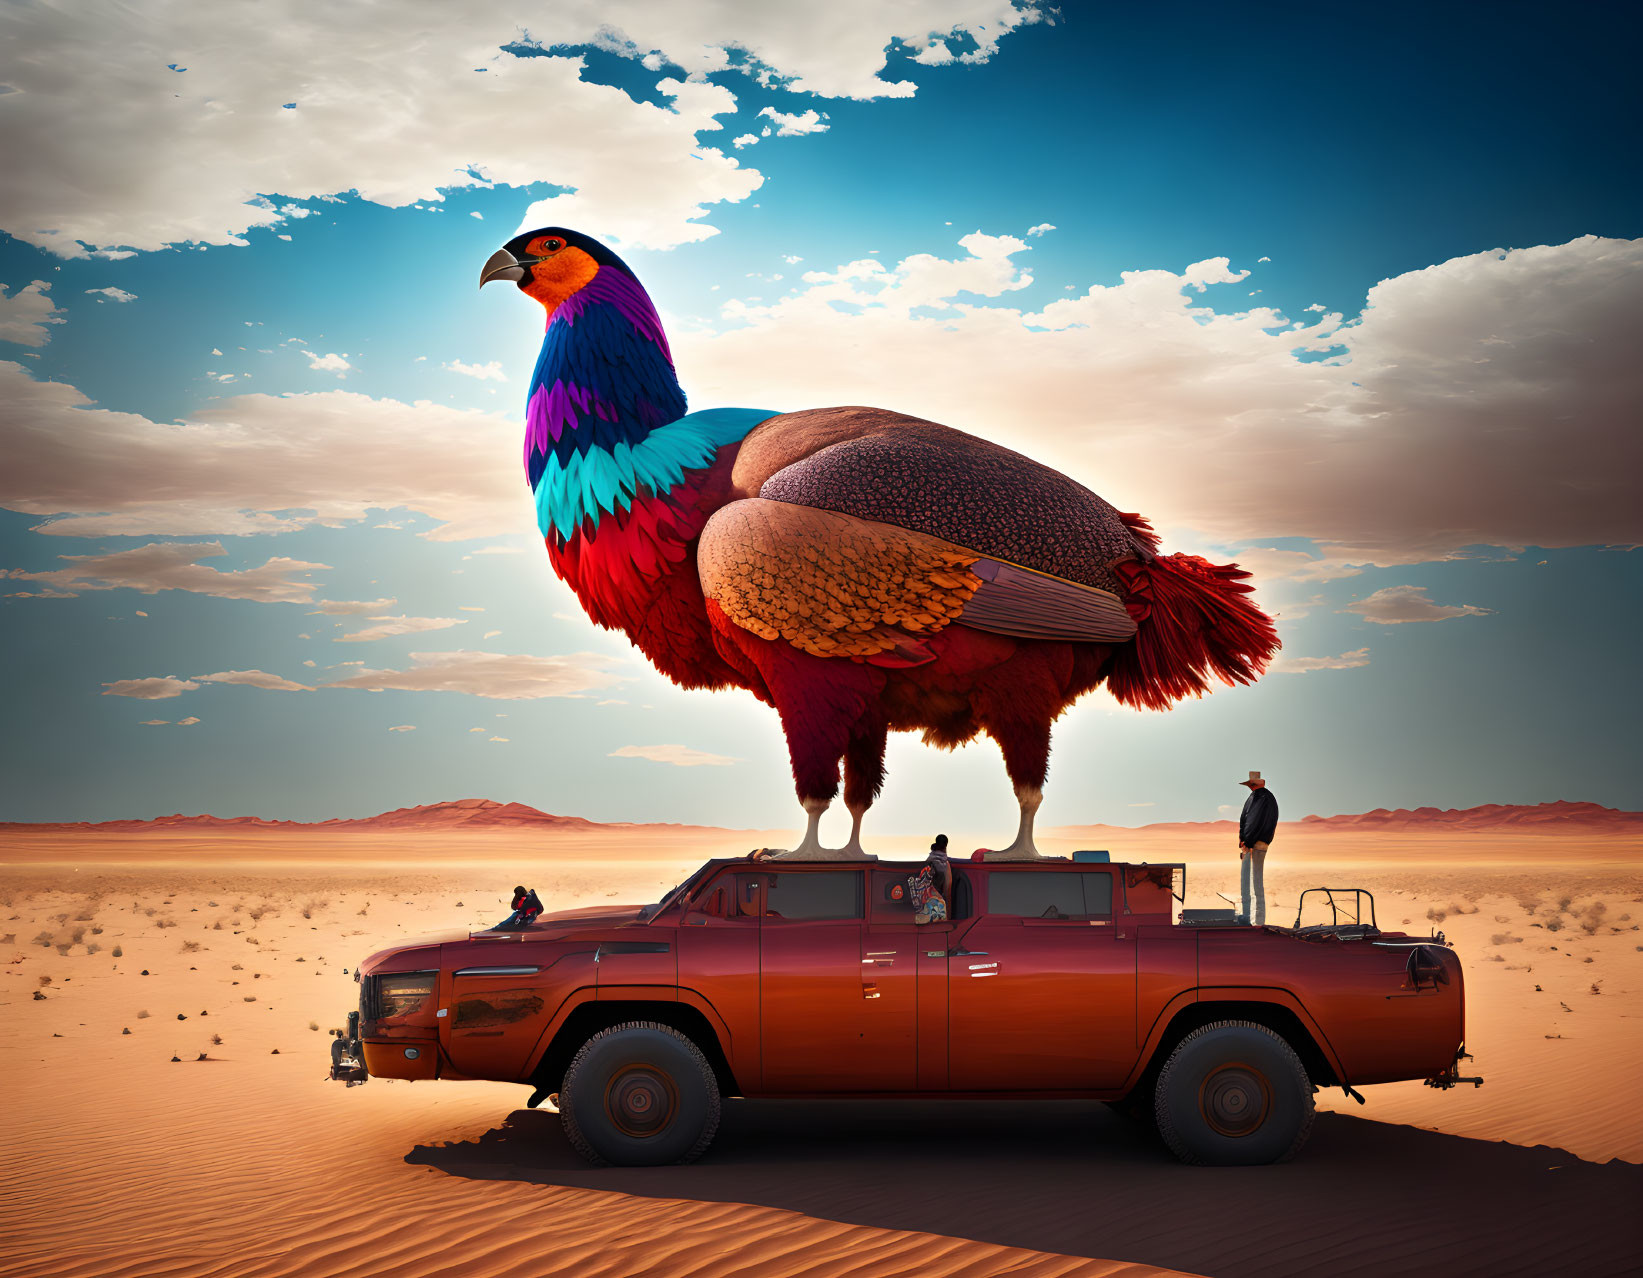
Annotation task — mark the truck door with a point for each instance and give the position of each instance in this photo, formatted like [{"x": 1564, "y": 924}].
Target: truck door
[
  {"x": 819, "y": 1029},
  {"x": 1041, "y": 991}
]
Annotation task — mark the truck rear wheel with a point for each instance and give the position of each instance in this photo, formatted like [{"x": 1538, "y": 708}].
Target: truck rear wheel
[
  {"x": 1234, "y": 1093},
  {"x": 638, "y": 1095}
]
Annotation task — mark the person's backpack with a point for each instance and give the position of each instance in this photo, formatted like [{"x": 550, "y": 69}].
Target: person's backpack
[{"x": 533, "y": 903}]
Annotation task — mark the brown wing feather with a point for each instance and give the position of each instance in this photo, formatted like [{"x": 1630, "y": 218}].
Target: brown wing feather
[
  {"x": 830, "y": 584},
  {"x": 928, "y": 478}
]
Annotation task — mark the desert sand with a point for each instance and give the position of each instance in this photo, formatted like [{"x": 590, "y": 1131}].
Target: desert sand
[{"x": 238, "y": 1157}]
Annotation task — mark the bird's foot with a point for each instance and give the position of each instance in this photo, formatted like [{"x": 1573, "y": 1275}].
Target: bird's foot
[
  {"x": 809, "y": 851},
  {"x": 810, "y": 847},
  {"x": 1020, "y": 850}
]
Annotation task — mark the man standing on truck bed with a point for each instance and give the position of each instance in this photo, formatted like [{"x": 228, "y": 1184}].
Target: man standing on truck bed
[{"x": 1256, "y": 825}]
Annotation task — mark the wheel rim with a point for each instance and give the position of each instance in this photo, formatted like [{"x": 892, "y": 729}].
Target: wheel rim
[
  {"x": 640, "y": 1100},
  {"x": 1235, "y": 1099}
]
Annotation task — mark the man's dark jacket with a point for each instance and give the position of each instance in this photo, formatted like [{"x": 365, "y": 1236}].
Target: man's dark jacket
[{"x": 1259, "y": 820}]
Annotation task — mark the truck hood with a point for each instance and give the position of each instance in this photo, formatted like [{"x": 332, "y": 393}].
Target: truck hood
[{"x": 558, "y": 922}]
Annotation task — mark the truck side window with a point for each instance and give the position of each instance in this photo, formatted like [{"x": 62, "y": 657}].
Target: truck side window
[
  {"x": 892, "y": 901},
  {"x": 825, "y": 894},
  {"x": 1037, "y": 894}
]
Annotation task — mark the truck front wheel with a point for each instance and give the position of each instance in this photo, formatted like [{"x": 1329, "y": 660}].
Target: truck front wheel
[
  {"x": 638, "y": 1095},
  {"x": 1234, "y": 1093}
]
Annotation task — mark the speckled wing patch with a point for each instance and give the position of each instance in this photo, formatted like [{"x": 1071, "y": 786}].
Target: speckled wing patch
[
  {"x": 831, "y": 584},
  {"x": 930, "y": 478}
]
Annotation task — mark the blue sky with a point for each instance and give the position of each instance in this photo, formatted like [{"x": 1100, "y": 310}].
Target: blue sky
[{"x": 1450, "y": 198}]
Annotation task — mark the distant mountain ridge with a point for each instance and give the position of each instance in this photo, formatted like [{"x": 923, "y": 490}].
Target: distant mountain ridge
[
  {"x": 1561, "y": 817},
  {"x": 464, "y": 814},
  {"x": 487, "y": 814},
  {"x": 1490, "y": 816}
]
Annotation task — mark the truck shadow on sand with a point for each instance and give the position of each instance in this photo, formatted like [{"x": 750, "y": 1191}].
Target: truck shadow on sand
[{"x": 1072, "y": 1177}]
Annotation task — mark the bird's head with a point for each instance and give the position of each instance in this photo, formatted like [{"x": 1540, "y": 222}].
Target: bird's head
[{"x": 550, "y": 264}]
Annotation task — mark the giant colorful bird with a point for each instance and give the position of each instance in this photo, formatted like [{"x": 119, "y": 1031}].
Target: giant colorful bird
[{"x": 860, "y": 570}]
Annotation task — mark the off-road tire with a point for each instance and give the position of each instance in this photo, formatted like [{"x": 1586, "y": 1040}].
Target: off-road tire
[
  {"x": 1260, "y": 1112},
  {"x": 670, "y": 1083}
]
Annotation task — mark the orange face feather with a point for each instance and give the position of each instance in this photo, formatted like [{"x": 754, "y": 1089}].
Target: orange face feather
[{"x": 561, "y": 271}]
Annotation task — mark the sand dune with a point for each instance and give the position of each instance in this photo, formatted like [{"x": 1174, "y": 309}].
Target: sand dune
[{"x": 119, "y": 1160}]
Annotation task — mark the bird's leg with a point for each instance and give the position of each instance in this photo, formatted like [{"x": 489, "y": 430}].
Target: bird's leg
[
  {"x": 1025, "y": 744},
  {"x": 863, "y": 778},
  {"x": 810, "y": 848},
  {"x": 1023, "y": 849},
  {"x": 853, "y": 847}
]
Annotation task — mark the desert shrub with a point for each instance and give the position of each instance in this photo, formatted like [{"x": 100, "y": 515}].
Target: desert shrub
[
  {"x": 10, "y": 938},
  {"x": 166, "y": 922},
  {"x": 45, "y": 980},
  {"x": 143, "y": 1015},
  {"x": 1505, "y": 938},
  {"x": 96, "y": 931},
  {"x": 1563, "y": 902},
  {"x": 249, "y": 998},
  {"x": 216, "y": 1040},
  {"x": 117, "y": 952},
  {"x": 1554, "y": 925},
  {"x": 1436, "y": 915},
  {"x": 313, "y": 1025},
  {"x": 217, "y": 926},
  {"x": 93, "y": 948},
  {"x": 190, "y": 947},
  {"x": 150, "y": 912},
  {"x": 309, "y": 907}
]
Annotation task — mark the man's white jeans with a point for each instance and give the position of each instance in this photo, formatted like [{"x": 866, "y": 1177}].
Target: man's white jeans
[{"x": 1254, "y": 860}]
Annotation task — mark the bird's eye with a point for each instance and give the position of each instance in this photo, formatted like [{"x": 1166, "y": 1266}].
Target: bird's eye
[{"x": 546, "y": 246}]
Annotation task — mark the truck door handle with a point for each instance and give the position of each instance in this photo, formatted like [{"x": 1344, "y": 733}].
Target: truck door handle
[{"x": 963, "y": 953}]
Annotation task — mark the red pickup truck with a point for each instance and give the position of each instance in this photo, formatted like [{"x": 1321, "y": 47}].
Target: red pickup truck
[{"x": 1052, "y": 979}]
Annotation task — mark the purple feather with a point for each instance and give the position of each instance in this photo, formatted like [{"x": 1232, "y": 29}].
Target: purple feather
[{"x": 625, "y": 294}]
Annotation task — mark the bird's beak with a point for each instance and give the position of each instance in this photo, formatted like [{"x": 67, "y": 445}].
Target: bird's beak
[{"x": 501, "y": 265}]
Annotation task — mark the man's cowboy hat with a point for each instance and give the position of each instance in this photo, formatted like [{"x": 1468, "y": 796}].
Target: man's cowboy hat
[{"x": 1253, "y": 778}]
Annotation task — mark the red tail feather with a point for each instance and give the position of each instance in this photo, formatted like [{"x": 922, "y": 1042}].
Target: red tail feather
[{"x": 1193, "y": 620}]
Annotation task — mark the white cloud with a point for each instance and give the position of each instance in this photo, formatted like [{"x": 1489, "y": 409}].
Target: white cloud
[
  {"x": 677, "y": 755},
  {"x": 256, "y": 464},
  {"x": 388, "y": 627},
  {"x": 350, "y": 607},
  {"x": 26, "y": 314},
  {"x": 157, "y": 689},
  {"x": 188, "y": 722},
  {"x": 1301, "y": 665},
  {"x": 498, "y": 740},
  {"x": 495, "y": 675},
  {"x": 176, "y": 566},
  {"x": 255, "y": 679},
  {"x": 403, "y": 727},
  {"x": 1469, "y": 384},
  {"x": 475, "y": 213},
  {"x": 1397, "y": 605},
  {"x": 470, "y": 608},
  {"x": 498, "y": 550},
  {"x": 792, "y": 126},
  {"x": 154, "y": 723},
  {"x": 489, "y": 372},
  {"x": 112, "y": 294},
  {"x": 491, "y": 634},
  {"x": 1043, "y": 228},
  {"x": 745, "y": 139},
  {"x": 328, "y": 363}
]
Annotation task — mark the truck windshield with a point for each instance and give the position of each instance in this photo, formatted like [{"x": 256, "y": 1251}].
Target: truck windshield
[{"x": 676, "y": 893}]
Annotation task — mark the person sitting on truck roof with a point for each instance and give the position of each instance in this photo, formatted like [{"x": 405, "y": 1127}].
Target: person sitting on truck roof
[
  {"x": 526, "y": 906},
  {"x": 932, "y": 886},
  {"x": 1256, "y": 825}
]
